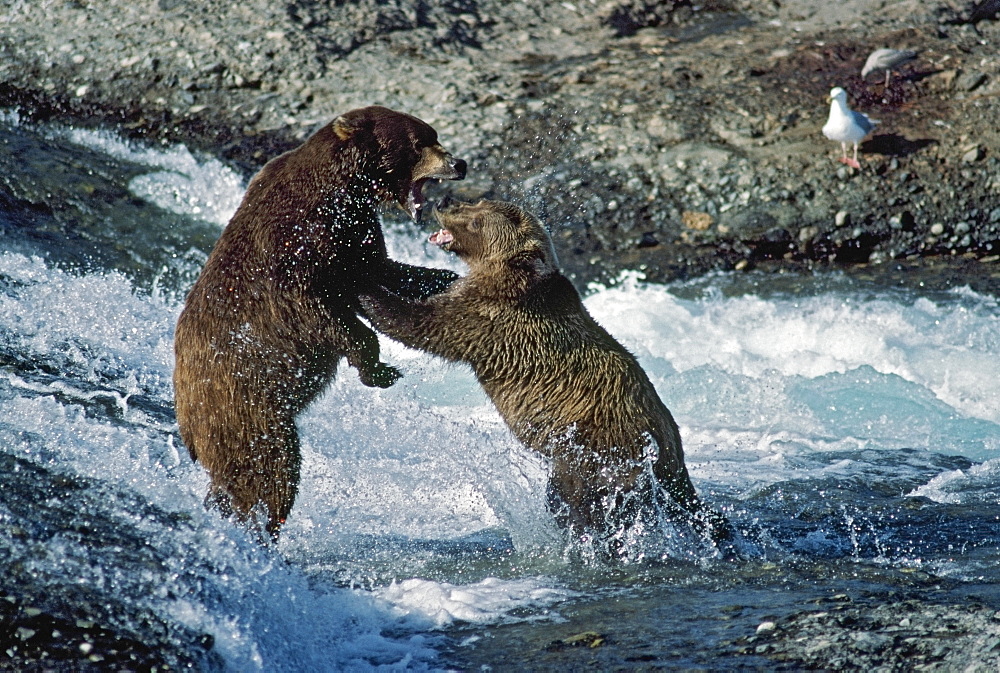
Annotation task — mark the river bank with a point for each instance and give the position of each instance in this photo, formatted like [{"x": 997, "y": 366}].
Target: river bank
[{"x": 665, "y": 137}]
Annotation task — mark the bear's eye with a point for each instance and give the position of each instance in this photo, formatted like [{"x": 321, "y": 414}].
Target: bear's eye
[{"x": 474, "y": 224}]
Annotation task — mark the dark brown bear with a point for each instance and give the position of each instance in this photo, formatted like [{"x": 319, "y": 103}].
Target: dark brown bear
[
  {"x": 275, "y": 308},
  {"x": 563, "y": 385}
]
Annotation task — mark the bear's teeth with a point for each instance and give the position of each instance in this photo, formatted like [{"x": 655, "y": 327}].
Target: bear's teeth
[
  {"x": 442, "y": 237},
  {"x": 416, "y": 200}
]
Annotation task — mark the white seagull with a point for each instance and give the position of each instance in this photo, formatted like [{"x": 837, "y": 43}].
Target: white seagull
[
  {"x": 846, "y": 126},
  {"x": 888, "y": 60}
]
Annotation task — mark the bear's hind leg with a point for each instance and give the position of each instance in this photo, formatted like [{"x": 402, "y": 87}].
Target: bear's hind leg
[
  {"x": 706, "y": 520},
  {"x": 258, "y": 483}
]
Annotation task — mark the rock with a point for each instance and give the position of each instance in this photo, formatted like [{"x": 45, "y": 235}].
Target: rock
[
  {"x": 879, "y": 636},
  {"x": 975, "y": 153},
  {"x": 970, "y": 81},
  {"x": 696, "y": 221},
  {"x": 806, "y": 234},
  {"x": 944, "y": 80},
  {"x": 588, "y": 639}
]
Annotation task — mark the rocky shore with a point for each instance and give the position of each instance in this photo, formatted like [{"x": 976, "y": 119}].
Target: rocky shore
[
  {"x": 892, "y": 636},
  {"x": 670, "y": 137}
]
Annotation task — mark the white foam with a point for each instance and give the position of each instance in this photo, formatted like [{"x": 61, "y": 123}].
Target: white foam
[
  {"x": 414, "y": 462},
  {"x": 895, "y": 373},
  {"x": 490, "y": 600},
  {"x": 203, "y": 188},
  {"x": 96, "y": 324},
  {"x": 979, "y": 484}
]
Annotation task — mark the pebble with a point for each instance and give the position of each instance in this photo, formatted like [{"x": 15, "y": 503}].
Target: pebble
[
  {"x": 972, "y": 155},
  {"x": 696, "y": 220},
  {"x": 945, "y": 79},
  {"x": 766, "y": 627},
  {"x": 842, "y": 218},
  {"x": 937, "y": 229},
  {"x": 970, "y": 80}
]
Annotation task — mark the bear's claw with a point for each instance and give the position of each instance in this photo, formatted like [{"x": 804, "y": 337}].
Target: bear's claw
[{"x": 379, "y": 376}]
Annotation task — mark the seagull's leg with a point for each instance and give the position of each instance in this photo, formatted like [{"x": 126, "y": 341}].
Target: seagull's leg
[
  {"x": 844, "y": 159},
  {"x": 853, "y": 163},
  {"x": 888, "y": 71}
]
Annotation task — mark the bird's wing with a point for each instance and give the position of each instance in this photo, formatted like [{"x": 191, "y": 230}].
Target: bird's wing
[{"x": 863, "y": 120}]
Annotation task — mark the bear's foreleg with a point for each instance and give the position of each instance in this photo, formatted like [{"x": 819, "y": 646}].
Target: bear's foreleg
[
  {"x": 363, "y": 354},
  {"x": 413, "y": 323},
  {"x": 415, "y": 282}
]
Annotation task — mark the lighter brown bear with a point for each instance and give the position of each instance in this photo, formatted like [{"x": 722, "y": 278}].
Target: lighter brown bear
[
  {"x": 563, "y": 385},
  {"x": 275, "y": 307}
]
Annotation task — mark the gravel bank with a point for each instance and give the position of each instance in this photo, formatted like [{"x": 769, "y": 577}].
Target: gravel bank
[{"x": 663, "y": 136}]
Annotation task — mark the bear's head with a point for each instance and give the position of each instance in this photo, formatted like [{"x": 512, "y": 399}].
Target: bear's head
[
  {"x": 494, "y": 232},
  {"x": 398, "y": 153}
]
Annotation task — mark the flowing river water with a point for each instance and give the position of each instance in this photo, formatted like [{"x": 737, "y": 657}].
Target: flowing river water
[{"x": 849, "y": 432}]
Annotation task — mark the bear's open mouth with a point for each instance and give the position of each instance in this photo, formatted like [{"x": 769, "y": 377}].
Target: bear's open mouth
[
  {"x": 415, "y": 200},
  {"x": 442, "y": 238}
]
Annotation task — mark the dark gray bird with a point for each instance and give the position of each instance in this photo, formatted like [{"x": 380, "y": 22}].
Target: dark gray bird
[
  {"x": 987, "y": 9},
  {"x": 888, "y": 60}
]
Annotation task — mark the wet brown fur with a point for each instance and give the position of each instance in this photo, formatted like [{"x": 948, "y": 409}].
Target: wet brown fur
[
  {"x": 563, "y": 385},
  {"x": 275, "y": 307}
]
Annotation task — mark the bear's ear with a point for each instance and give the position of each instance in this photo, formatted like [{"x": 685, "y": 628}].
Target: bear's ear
[
  {"x": 534, "y": 260},
  {"x": 345, "y": 127}
]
